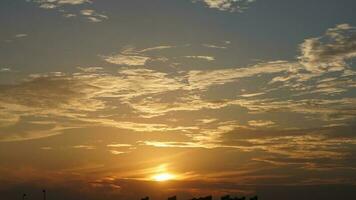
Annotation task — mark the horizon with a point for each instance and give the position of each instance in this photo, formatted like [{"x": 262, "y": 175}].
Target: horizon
[{"x": 122, "y": 99}]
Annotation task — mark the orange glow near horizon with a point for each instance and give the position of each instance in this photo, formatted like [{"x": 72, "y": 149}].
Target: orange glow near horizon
[{"x": 163, "y": 177}]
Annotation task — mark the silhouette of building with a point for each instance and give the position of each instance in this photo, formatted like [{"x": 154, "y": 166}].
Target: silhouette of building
[
  {"x": 203, "y": 198},
  {"x": 146, "y": 198},
  {"x": 254, "y": 198},
  {"x": 227, "y": 197},
  {"x": 172, "y": 198}
]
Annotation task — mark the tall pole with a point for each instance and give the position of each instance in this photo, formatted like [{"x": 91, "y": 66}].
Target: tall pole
[{"x": 44, "y": 194}]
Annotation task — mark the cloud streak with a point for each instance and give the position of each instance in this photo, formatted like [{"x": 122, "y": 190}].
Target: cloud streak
[
  {"x": 143, "y": 100},
  {"x": 227, "y": 5},
  {"x": 61, "y": 5},
  {"x": 130, "y": 60}
]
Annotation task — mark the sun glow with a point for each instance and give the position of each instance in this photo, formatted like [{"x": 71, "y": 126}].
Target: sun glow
[{"x": 163, "y": 177}]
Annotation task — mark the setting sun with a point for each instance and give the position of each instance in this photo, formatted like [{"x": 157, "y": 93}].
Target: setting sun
[{"x": 163, "y": 177}]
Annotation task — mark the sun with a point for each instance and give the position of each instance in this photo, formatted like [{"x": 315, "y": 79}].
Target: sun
[{"x": 163, "y": 177}]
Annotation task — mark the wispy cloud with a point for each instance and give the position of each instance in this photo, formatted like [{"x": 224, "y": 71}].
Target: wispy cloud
[
  {"x": 86, "y": 147},
  {"x": 115, "y": 152},
  {"x": 118, "y": 145},
  {"x": 16, "y": 37},
  {"x": 174, "y": 144},
  {"x": 261, "y": 123},
  {"x": 214, "y": 46},
  {"x": 207, "y": 58},
  {"x": 301, "y": 147},
  {"x": 93, "y": 16},
  {"x": 50, "y": 4},
  {"x": 90, "y": 69},
  {"x": 205, "y": 79},
  {"x": 21, "y": 35},
  {"x": 130, "y": 60},
  {"x": 156, "y": 48},
  {"x": 331, "y": 51},
  {"x": 5, "y": 69},
  {"x": 227, "y": 5},
  {"x": 60, "y": 5},
  {"x": 147, "y": 97},
  {"x": 131, "y": 56},
  {"x": 252, "y": 94}
]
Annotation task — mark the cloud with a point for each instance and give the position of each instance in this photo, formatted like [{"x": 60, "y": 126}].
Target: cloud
[
  {"x": 326, "y": 110},
  {"x": 61, "y": 5},
  {"x": 93, "y": 16},
  {"x": 331, "y": 51},
  {"x": 42, "y": 90},
  {"x": 311, "y": 149},
  {"x": 214, "y": 46},
  {"x": 130, "y": 60},
  {"x": 80, "y": 97},
  {"x": 253, "y": 94},
  {"x": 131, "y": 56},
  {"x": 90, "y": 69},
  {"x": 291, "y": 75},
  {"x": 86, "y": 147},
  {"x": 156, "y": 48},
  {"x": 21, "y": 35},
  {"x": 207, "y": 121},
  {"x": 117, "y": 152},
  {"x": 16, "y": 37},
  {"x": 144, "y": 100},
  {"x": 174, "y": 144},
  {"x": 204, "y": 79},
  {"x": 321, "y": 58},
  {"x": 30, "y": 134},
  {"x": 227, "y": 5},
  {"x": 207, "y": 58},
  {"x": 5, "y": 69},
  {"x": 261, "y": 123},
  {"x": 46, "y": 97},
  {"x": 118, "y": 145},
  {"x": 69, "y": 15},
  {"x": 50, "y": 4},
  {"x": 131, "y": 50}
]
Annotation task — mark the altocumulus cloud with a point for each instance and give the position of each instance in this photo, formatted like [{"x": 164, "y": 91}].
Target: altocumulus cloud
[
  {"x": 93, "y": 16},
  {"x": 151, "y": 96},
  {"x": 227, "y": 5},
  {"x": 331, "y": 51},
  {"x": 130, "y": 60},
  {"x": 130, "y": 56},
  {"x": 50, "y": 4},
  {"x": 60, "y": 5}
]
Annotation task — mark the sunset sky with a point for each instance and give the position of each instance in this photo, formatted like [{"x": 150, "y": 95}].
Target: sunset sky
[{"x": 121, "y": 99}]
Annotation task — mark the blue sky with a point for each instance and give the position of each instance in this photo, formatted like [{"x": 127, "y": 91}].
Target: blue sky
[{"x": 268, "y": 30}]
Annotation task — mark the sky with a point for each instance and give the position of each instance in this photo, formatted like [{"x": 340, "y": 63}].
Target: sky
[{"x": 122, "y": 99}]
